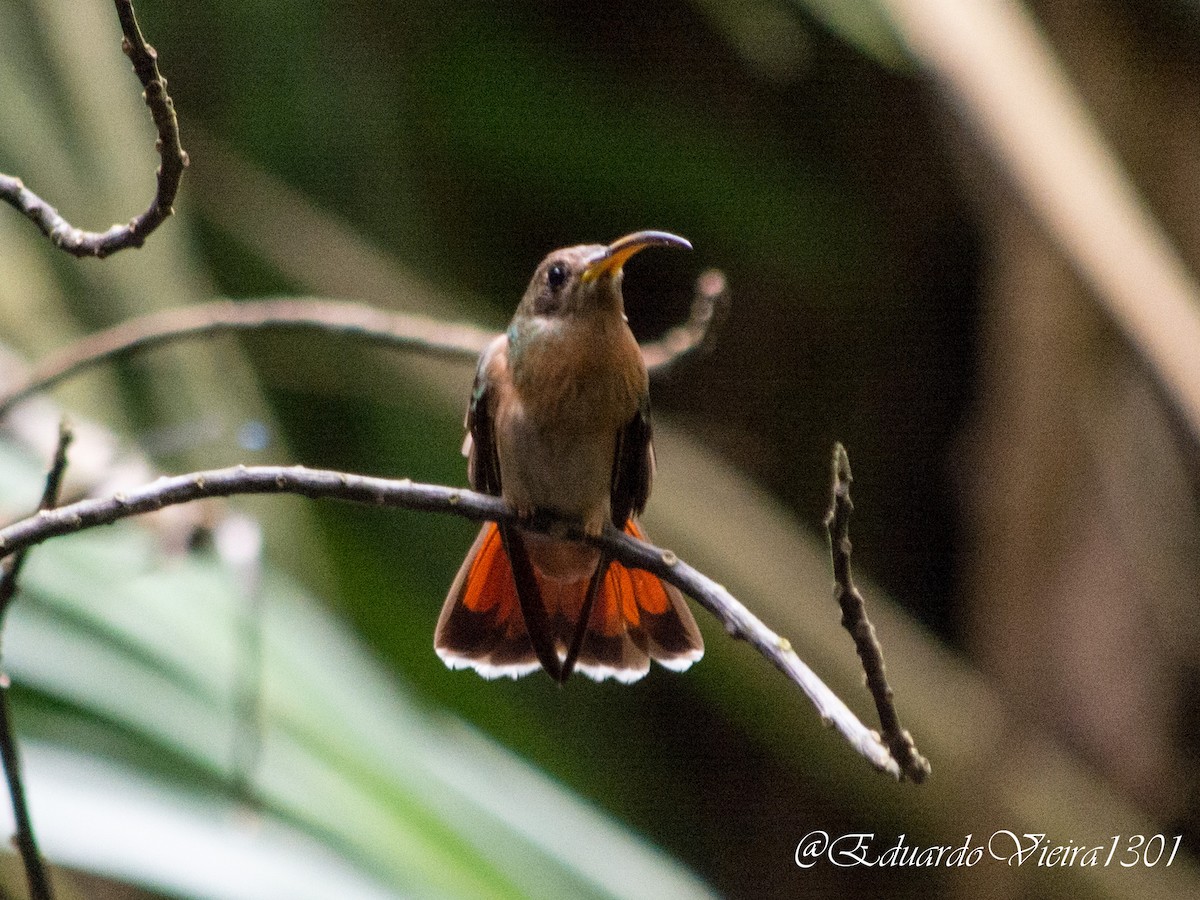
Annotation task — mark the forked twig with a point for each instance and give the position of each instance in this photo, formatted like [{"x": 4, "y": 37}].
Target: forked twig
[
  {"x": 854, "y": 619},
  {"x": 365, "y": 323},
  {"x": 173, "y": 160},
  {"x": 25, "y": 839}
]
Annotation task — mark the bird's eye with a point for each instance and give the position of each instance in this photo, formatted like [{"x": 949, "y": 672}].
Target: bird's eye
[{"x": 556, "y": 276}]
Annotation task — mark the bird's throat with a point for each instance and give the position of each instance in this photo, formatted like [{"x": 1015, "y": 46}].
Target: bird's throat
[{"x": 571, "y": 373}]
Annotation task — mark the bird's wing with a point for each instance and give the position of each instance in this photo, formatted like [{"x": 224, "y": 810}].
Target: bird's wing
[
  {"x": 483, "y": 470},
  {"x": 633, "y": 466},
  {"x": 483, "y": 464}
]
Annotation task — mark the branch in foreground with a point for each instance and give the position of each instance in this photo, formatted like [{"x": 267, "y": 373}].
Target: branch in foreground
[
  {"x": 173, "y": 160},
  {"x": 314, "y": 483},
  {"x": 26, "y": 841},
  {"x": 356, "y": 320},
  {"x": 855, "y": 621}
]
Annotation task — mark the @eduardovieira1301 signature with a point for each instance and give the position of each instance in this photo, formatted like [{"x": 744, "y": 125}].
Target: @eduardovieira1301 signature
[{"x": 867, "y": 850}]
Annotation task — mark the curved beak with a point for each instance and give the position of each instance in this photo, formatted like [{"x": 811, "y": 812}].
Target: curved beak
[{"x": 610, "y": 259}]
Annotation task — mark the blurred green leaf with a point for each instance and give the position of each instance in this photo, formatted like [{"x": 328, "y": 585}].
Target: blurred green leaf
[
  {"x": 109, "y": 819},
  {"x": 864, "y": 25}
]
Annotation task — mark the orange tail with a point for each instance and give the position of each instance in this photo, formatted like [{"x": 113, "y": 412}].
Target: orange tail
[{"x": 636, "y": 618}]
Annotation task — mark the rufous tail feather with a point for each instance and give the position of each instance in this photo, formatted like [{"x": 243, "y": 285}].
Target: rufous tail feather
[{"x": 636, "y": 617}]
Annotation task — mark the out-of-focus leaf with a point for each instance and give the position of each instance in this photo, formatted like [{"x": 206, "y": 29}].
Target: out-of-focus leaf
[
  {"x": 142, "y": 647},
  {"x": 864, "y": 25},
  {"x": 770, "y": 37},
  {"x": 103, "y": 818},
  {"x": 767, "y": 34}
]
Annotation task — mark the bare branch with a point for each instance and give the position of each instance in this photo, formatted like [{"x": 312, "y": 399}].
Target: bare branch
[
  {"x": 365, "y": 323},
  {"x": 356, "y": 320},
  {"x": 173, "y": 160},
  {"x": 54, "y": 478},
  {"x": 709, "y": 309},
  {"x": 855, "y": 621},
  {"x": 315, "y": 483},
  {"x": 25, "y": 839}
]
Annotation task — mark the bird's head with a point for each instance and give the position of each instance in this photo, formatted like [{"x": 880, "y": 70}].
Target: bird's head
[{"x": 587, "y": 278}]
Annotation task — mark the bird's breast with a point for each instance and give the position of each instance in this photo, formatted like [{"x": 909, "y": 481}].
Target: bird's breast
[
  {"x": 585, "y": 374},
  {"x": 556, "y": 427}
]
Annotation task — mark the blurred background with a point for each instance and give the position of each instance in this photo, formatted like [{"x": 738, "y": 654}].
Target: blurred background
[{"x": 893, "y": 189}]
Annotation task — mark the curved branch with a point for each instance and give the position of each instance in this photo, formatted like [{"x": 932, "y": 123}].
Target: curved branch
[
  {"x": 315, "y": 483},
  {"x": 173, "y": 160},
  {"x": 365, "y": 323},
  {"x": 357, "y": 320}
]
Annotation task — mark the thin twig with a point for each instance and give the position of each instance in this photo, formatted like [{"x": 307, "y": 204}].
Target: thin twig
[
  {"x": 710, "y": 306},
  {"x": 25, "y": 839},
  {"x": 54, "y": 477},
  {"x": 357, "y": 320},
  {"x": 173, "y": 160},
  {"x": 362, "y": 322},
  {"x": 238, "y": 542},
  {"x": 315, "y": 483},
  {"x": 855, "y": 621}
]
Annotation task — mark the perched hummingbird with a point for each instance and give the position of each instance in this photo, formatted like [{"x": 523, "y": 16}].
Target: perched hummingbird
[{"x": 559, "y": 421}]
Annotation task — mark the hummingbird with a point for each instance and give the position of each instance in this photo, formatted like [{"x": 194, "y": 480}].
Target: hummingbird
[{"x": 559, "y": 422}]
